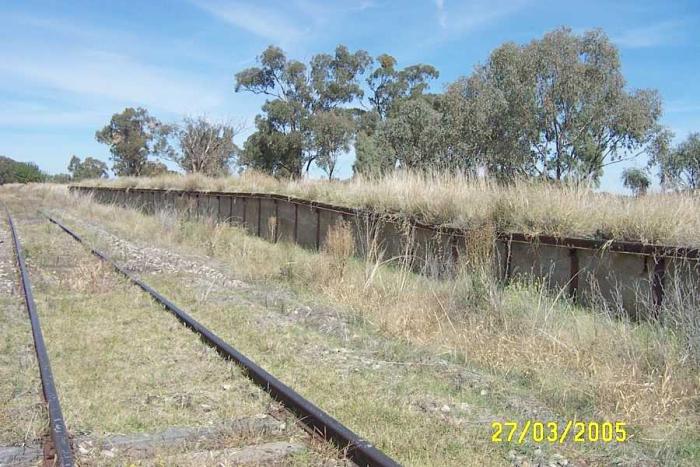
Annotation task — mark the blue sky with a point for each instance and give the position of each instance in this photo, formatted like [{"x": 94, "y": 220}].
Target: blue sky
[{"x": 67, "y": 66}]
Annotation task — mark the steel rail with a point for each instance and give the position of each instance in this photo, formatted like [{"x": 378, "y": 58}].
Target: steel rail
[
  {"x": 357, "y": 449},
  {"x": 59, "y": 432}
]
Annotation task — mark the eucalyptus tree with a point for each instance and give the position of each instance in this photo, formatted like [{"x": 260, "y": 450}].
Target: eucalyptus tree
[
  {"x": 132, "y": 135},
  {"x": 273, "y": 151},
  {"x": 679, "y": 166},
  {"x": 201, "y": 146},
  {"x": 389, "y": 84},
  {"x": 88, "y": 168},
  {"x": 556, "y": 108},
  {"x": 300, "y": 99},
  {"x": 401, "y": 127},
  {"x": 636, "y": 180},
  {"x": 413, "y": 134},
  {"x": 332, "y": 133}
]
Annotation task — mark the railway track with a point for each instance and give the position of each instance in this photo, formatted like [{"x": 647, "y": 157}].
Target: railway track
[{"x": 58, "y": 449}]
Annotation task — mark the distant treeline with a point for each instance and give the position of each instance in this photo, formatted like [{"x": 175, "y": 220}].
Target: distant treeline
[
  {"x": 12, "y": 171},
  {"x": 557, "y": 108}
]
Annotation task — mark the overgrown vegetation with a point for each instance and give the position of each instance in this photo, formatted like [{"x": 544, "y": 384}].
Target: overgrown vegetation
[
  {"x": 537, "y": 348},
  {"x": 532, "y": 207}
]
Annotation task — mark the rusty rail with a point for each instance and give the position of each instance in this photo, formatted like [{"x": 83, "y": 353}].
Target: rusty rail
[
  {"x": 316, "y": 420},
  {"x": 59, "y": 433}
]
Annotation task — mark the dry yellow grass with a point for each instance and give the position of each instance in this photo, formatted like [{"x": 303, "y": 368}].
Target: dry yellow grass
[
  {"x": 579, "y": 362},
  {"x": 457, "y": 200}
]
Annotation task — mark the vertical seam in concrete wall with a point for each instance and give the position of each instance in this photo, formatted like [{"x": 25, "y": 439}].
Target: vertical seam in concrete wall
[
  {"x": 508, "y": 258},
  {"x": 574, "y": 268},
  {"x": 658, "y": 283},
  {"x": 245, "y": 205},
  {"x": 277, "y": 220},
  {"x": 259, "y": 214},
  {"x": 296, "y": 220},
  {"x": 318, "y": 228}
]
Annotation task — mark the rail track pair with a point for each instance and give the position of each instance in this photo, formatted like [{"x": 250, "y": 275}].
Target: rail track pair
[{"x": 58, "y": 450}]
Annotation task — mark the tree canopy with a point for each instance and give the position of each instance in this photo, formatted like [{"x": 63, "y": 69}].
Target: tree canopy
[
  {"x": 202, "y": 146},
  {"x": 12, "y": 171},
  {"x": 636, "y": 180},
  {"x": 679, "y": 166},
  {"x": 132, "y": 135},
  {"x": 556, "y": 108},
  {"x": 314, "y": 111},
  {"x": 89, "y": 168}
]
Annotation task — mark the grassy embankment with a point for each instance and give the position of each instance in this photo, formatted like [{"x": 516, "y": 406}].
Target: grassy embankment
[
  {"x": 532, "y": 208},
  {"x": 578, "y": 362}
]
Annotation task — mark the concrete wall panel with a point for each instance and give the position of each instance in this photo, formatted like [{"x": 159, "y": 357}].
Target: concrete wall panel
[
  {"x": 286, "y": 216},
  {"x": 224, "y": 214},
  {"x": 237, "y": 210},
  {"x": 627, "y": 279},
  {"x": 618, "y": 279},
  {"x": 327, "y": 219},
  {"x": 268, "y": 220},
  {"x": 252, "y": 215},
  {"x": 307, "y": 226},
  {"x": 212, "y": 206}
]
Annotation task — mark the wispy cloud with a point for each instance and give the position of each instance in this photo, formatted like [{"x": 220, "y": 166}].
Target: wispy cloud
[
  {"x": 441, "y": 14},
  {"x": 268, "y": 23},
  {"x": 22, "y": 114},
  {"x": 112, "y": 76},
  {"x": 662, "y": 33},
  {"x": 322, "y": 12},
  {"x": 463, "y": 18}
]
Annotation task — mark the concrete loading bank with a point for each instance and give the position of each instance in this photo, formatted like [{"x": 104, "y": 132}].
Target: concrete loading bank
[{"x": 639, "y": 277}]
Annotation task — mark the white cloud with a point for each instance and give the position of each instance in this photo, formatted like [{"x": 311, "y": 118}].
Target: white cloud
[
  {"x": 112, "y": 76},
  {"x": 662, "y": 33},
  {"x": 17, "y": 113},
  {"x": 268, "y": 23},
  {"x": 441, "y": 13},
  {"x": 462, "y": 18}
]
